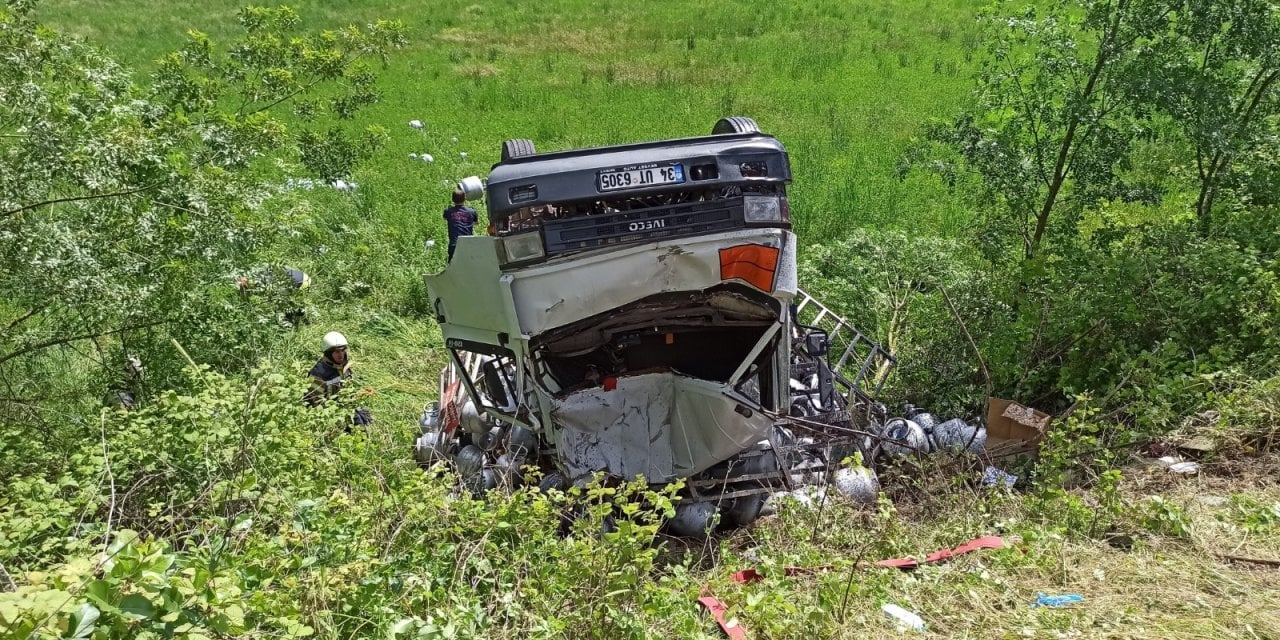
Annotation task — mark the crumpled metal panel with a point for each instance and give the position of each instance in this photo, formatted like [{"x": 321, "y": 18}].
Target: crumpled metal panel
[
  {"x": 660, "y": 425},
  {"x": 566, "y": 290}
]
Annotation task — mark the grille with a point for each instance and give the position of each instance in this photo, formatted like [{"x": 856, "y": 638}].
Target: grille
[{"x": 641, "y": 225}]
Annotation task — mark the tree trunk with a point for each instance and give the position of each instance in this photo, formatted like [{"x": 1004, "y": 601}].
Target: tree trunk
[
  {"x": 1210, "y": 178},
  {"x": 1059, "y": 177}
]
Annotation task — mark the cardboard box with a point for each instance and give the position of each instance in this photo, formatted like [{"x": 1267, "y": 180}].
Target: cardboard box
[{"x": 1014, "y": 427}]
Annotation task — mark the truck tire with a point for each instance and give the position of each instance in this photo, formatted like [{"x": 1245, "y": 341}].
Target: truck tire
[
  {"x": 517, "y": 148},
  {"x": 735, "y": 125}
]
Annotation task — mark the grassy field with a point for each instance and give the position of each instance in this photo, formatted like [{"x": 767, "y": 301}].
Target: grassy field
[{"x": 844, "y": 85}]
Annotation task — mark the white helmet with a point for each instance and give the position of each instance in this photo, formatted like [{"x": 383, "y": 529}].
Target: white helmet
[{"x": 333, "y": 340}]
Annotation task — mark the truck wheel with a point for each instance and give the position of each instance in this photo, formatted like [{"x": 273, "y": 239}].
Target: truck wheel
[
  {"x": 735, "y": 125},
  {"x": 518, "y": 148}
]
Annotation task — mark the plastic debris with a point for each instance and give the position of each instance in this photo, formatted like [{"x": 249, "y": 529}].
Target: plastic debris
[
  {"x": 1064, "y": 600},
  {"x": 994, "y": 477},
  {"x": 416, "y": 124},
  {"x": 462, "y": 154},
  {"x": 807, "y": 496},
  {"x": 307, "y": 184},
  {"x": 430, "y": 243},
  {"x": 1175, "y": 465},
  {"x": 413, "y": 156},
  {"x": 426, "y": 157},
  {"x": 905, "y": 619}
]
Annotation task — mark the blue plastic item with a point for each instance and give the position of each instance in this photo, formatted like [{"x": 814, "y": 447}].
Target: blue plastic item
[{"x": 1064, "y": 600}]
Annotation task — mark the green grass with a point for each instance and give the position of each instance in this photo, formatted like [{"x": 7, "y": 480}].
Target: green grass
[{"x": 844, "y": 85}]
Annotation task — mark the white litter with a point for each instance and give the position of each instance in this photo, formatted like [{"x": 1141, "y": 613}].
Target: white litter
[
  {"x": 430, "y": 243},
  {"x": 413, "y": 156},
  {"x": 463, "y": 155},
  {"x": 426, "y": 157},
  {"x": 905, "y": 619},
  {"x": 453, "y": 139},
  {"x": 809, "y": 496},
  {"x": 1174, "y": 465},
  {"x": 416, "y": 124}
]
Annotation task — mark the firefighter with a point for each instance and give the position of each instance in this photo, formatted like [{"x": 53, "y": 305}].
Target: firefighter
[{"x": 330, "y": 372}]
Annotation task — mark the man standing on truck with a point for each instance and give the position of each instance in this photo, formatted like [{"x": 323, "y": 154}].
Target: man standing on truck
[{"x": 460, "y": 219}]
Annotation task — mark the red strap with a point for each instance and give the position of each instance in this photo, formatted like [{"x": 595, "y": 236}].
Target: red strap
[
  {"x": 731, "y": 628},
  {"x": 899, "y": 563},
  {"x": 989, "y": 542}
]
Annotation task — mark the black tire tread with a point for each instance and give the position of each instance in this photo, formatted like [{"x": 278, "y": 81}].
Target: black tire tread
[
  {"x": 735, "y": 124},
  {"x": 517, "y": 148}
]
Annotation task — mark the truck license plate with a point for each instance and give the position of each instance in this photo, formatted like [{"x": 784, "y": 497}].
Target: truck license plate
[{"x": 617, "y": 179}]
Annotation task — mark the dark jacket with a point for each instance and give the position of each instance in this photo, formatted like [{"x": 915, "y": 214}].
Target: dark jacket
[
  {"x": 326, "y": 380},
  {"x": 460, "y": 218}
]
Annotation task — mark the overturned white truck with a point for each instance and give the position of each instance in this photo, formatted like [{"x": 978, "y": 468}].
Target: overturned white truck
[{"x": 634, "y": 311}]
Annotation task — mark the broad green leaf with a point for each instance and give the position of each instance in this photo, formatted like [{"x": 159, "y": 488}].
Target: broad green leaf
[
  {"x": 84, "y": 621},
  {"x": 136, "y": 605}
]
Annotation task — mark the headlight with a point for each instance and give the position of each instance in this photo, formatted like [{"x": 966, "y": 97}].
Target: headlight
[
  {"x": 523, "y": 246},
  {"x": 762, "y": 209}
]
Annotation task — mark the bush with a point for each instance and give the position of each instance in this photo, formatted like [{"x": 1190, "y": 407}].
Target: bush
[{"x": 236, "y": 510}]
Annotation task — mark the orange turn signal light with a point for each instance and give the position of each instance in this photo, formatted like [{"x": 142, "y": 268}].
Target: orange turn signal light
[{"x": 754, "y": 264}]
